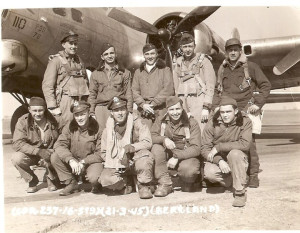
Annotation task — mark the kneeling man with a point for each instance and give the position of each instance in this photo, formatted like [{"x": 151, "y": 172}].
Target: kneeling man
[
  {"x": 225, "y": 146},
  {"x": 125, "y": 145},
  {"x": 33, "y": 140},
  {"x": 77, "y": 150},
  {"x": 176, "y": 139}
]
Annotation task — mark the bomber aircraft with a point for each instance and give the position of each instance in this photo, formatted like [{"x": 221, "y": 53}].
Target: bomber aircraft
[{"x": 29, "y": 36}]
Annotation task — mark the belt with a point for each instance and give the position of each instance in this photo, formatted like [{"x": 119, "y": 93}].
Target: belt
[{"x": 188, "y": 95}]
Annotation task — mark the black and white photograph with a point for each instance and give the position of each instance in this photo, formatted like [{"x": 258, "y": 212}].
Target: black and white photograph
[{"x": 138, "y": 117}]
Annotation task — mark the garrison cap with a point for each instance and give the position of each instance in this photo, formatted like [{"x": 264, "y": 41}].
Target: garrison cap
[
  {"x": 37, "y": 101},
  {"x": 69, "y": 36},
  {"x": 79, "y": 106},
  {"x": 148, "y": 47},
  {"x": 105, "y": 47},
  {"x": 226, "y": 100},
  {"x": 172, "y": 100},
  {"x": 232, "y": 41},
  {"x": 116, "y": 102},
  {"x": 186, "y": 38}
]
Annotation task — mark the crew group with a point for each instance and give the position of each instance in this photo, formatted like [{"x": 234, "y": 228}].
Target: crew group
[{"x": 117, "y": 131}]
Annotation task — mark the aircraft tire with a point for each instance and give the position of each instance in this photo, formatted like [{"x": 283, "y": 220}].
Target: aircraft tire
[{"x": 20, "y": 111}]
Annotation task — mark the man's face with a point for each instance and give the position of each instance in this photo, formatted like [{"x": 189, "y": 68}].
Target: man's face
[
  {"x": 188, "y": 49},
  {"x": 37, "y": 112},
  {"x": 175, "y": 111},
  {"x": 120, "y": 114},
  {"x": 82, "y": 117},
  {"x": 70, "y": 47},
  {"x": 151, "y": 56},
  {"x": 228, "y": 113},
  {"x": 233, "y": 53},
  {"x": 109, "y": 56}
]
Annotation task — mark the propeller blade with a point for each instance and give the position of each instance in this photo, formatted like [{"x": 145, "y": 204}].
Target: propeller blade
[
  {"x": 132, "y": 21},
  {"x": 287, "y": 62},
  {"x": 195, "y": 17},
  {"x": 235, "y": 34},
  {"x": 169, "y": 61}
]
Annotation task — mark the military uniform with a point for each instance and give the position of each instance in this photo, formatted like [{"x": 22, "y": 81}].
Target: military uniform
[
  {"x": 105, "y": 83},
  {"x": 152, "y": 88},
  {"x": 232, "y": 142},
  {"x": 246, "y": 83},
  {"x": 29, "y": 140},
  {"x": 194, "y": 82},
  {"x": 126, "y": 148},
  {"x": 187, "y": 137},
  {"x": 79, "y": 144},
  {"x": 65, "y": 80}
]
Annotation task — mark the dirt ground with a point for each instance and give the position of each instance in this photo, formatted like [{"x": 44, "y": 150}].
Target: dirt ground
[{"x": 272, "y": 206}]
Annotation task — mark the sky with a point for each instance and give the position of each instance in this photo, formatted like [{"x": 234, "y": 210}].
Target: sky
[{"x": 253, "y": 22}]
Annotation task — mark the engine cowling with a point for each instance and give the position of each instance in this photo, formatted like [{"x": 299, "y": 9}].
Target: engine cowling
[{"x": 14, "y": 57}]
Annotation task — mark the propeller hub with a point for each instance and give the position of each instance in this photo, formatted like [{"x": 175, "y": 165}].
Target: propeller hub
[{"x": 164, "y": 34}]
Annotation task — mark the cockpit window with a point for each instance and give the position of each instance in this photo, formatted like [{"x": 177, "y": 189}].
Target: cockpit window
[
  {"x": 60, "y": 11},
  {"x": 77, "y": 15}
]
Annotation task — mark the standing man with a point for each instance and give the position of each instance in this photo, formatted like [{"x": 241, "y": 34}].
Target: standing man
[
  {"x": 33, "y": 140},
  {"x": 194, "y": 80},
  {"x": 77, "y": 150},
  {"x": 125, "y": 146},
  {"x": 177, "y": 142},
  {"x": 245, "y": 82},
  {"x": 152, "y": 84},
  {"x": 65, "y": 80},
  {"x": 225, "y": 146},
  {"x": 108, "y": 80}
]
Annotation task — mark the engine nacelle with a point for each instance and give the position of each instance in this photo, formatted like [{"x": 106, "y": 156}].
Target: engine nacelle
[
  {"x": 262, "y": 51},
  {"x": 14, "y": 57}
]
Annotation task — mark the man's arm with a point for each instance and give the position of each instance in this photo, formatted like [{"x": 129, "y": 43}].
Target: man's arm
[
  {"x": 20, "y": 139},
  {"x": 128, "y": 90},
  {"x": 136, "y": 90},
  {"x": 63, "y": 144},
  {"x": 167, "y": 89},
  {"x": 49, "y": 82},
  {"x": 155, "y": 132},
  {"x": 243, "y": 143},
  {"x": 263, "y": 84},
  {"x": 144, "y": 137},
  {"x": 208, "y": 142},
  {"x": 176, "y": 77},
  {"x": 96, "y": 157},
  {"x": 210, "y": 82},
  {"x": 93, "y": 91},
  {"x": 103, "y": 144},
  {"x": 193, "y": 150}
]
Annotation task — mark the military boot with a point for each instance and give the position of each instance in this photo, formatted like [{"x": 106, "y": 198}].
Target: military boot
[
  {"x": 72, "y": 187},
  {"x": 32, "y": 184},
  {"x": 163, "y": 190},
  {"x": 239, "y": 200},
  {"x": 51, "y": 185},
  {"x": 96, "y": 188},
  {"x": 187, "y": 187},
  {"x": 145, "y": 191},
  {"x": 253, "y": 181}
]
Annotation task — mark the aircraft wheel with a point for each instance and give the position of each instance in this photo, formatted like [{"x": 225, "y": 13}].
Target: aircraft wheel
[{"x": 20, "y": 111}]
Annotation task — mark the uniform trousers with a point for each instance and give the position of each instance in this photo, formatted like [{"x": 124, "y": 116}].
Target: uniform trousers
[
  {"x": 92, "y": 171},
  {"x": 194, "y": 105},
  {"x": 143, "y": 167},
  {"x": 23, "y": 162},
  {"x": 238, "y": 163},
  {"x": 188, "y": 169}
]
